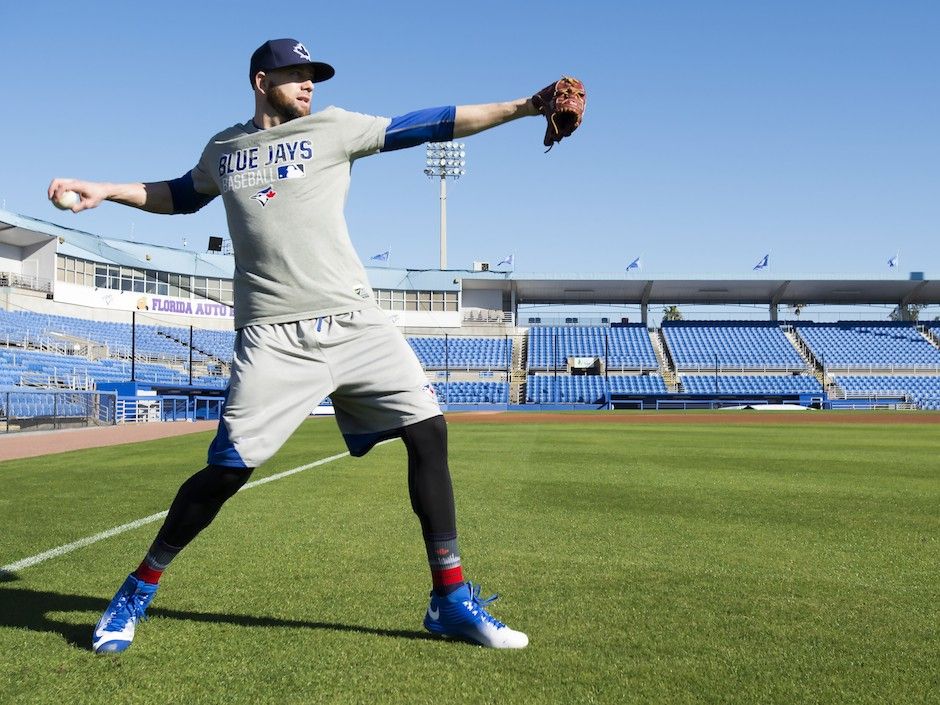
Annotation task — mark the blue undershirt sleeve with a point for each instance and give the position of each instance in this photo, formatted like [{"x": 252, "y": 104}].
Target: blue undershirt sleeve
[
  {"x": 186, "y": 199},
  {"x": 428, "y": 125}
]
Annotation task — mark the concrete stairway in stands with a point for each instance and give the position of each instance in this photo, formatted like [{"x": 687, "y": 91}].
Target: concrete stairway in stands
[{"x": 666, "y": 368}]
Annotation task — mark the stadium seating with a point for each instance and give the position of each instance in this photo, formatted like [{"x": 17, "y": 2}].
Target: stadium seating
[
  {"x": 472, "y": 392},
  {"x": 151, "y": 340},
  {"x": 624, "y": 347},
  {"x": 751, "y": 384},
  {"x": 34, "y": 367},
  {"x": 700, "y": 345},
  {"x": 924, "y": 390},
  {"x": 588, "y": 389},
  {"x": 465, "y": 353},
  {"x": 23, "y": 405},
  {"x": 869, "y": 345}
]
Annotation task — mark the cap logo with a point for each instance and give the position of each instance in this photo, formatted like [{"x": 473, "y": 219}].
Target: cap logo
[{"x": 301, "y": 51}]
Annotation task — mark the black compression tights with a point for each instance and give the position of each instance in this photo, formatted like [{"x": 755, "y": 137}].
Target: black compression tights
[
  {"x": 432, "y": 495},
  {"x": 198, "y": 501}
]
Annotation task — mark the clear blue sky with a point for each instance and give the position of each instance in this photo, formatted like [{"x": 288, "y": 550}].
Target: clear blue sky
[{"x": 715, "y": 132}]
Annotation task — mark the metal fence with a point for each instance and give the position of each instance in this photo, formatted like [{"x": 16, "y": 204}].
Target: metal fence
[{"x": 42, "y": 410}]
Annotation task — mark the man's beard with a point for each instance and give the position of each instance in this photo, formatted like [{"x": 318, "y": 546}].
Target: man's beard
[{"x": 284, "y": 107}]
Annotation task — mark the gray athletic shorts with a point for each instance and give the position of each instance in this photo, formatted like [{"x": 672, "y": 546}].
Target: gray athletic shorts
[{"x": 281, "y": 371}]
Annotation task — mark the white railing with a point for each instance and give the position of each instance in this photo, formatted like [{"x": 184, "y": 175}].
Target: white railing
[
  {"x": 485, "y": 316},
  {"x": 151, "y": 409},
  {"x": 883, "y": 369},
  {"x": 31, "y": 342},
  {"x": 23, "y": 281},
  {"x": 871, "y": 394},
  {"x": 743, "y": 369},
  {"x": 875, "y": 393}
]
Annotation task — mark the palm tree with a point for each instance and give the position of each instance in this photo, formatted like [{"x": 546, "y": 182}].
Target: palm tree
[{"x": 672, "y": 313}]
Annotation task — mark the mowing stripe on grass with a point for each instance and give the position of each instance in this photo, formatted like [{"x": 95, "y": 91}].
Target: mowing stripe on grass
[{"x": 88, "y": 540}]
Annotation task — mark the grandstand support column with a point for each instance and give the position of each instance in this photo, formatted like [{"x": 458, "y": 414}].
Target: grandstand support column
[
  {"x": 774, "y": 312},
  {"x": 133, "y": 346},
  {"x": 645, "y": 303},
  {"x": 190, "y": 356},
  {"x": 717, "y": 385},
  {"x": 606, "y": 366}
]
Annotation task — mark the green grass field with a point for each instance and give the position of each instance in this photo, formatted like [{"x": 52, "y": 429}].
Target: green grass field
[{"x": 648, "y": 563}]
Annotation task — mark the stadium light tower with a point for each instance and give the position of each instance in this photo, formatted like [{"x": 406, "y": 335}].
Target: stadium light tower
[{"x": 445, "y": 159}]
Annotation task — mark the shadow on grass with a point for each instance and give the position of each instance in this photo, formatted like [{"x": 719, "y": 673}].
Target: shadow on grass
[{"x": 28, "y": 609}]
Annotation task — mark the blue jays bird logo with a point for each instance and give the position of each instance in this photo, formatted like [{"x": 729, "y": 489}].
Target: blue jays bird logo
[{"x": 264, "y": 195}]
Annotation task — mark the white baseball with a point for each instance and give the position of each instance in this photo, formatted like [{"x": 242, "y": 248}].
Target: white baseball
[{"x": 66, "y": 200}]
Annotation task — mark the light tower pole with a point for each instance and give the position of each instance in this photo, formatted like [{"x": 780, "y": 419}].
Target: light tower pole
[{"x": 445, "y": 159}]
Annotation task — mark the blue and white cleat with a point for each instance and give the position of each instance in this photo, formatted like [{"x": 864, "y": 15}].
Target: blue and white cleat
[
  {"x": 115, "y": 630},
  {"x": 463, "y": 614}
]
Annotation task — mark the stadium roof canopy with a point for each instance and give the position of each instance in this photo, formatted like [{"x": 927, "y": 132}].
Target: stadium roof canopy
[
  {"x": 758, "y": 289},
  {"x": 522, "y": 289},
  {"x": 23, "y": 231}
]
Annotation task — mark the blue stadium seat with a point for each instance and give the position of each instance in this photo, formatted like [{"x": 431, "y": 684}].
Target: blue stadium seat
[
  {"x": 869, "y": 346},
  {"x": 751, "y": 384},
  {"x": 588, "y": 389},
  {"x": 626, "y": 347},
  {"x": 924, "y": 390},
  {"x": 742, "y": 345},
  {"x": 456, "y": 353},
  {"x": 472, "y": 392}
]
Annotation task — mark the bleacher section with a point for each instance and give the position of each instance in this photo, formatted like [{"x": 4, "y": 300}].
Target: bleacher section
[
  {"x": 17, "y": 327},
  {"x": 588, "y": 389},
  {"x": 865, "y": 345},
  {"x": 751, "y": 384},
  {"x": 700, "y": 345},
  {"x": 472, "y": 392},
  {"x": 36, "y": 368},
  {"x": 30, "y": 405},
  {"x": 626, "y": 347},
  {"x": 754, "y": 358},
  {"x": 463, "y": 353},
  {"x": 923, "y": 390}
]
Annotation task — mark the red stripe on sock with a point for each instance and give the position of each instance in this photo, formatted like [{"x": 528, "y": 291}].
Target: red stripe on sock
[
  {"x": 442, "y": 578},
  {"x": 147, "y": 574}
]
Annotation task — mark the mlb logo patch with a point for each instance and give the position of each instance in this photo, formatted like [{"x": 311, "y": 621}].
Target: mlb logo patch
[
  {"x": 291, "y": 171},
  {"x": 264, "y": 195},
  {"x": 430, "y": 391}
]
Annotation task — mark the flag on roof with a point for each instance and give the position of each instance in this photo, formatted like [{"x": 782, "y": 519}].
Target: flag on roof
[{"x": 763, "y": 263}]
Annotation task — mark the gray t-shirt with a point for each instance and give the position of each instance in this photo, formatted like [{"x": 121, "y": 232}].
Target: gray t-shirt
[{"x": 284, "y": 191}]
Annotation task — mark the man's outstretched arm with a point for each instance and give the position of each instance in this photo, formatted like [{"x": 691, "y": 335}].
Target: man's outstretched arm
[
  {"x": 471, "y": 119},
  {"x": 153, "y": 197},
  {"x": 451, "y": 122},
  {"x": 169, "y": 197}
]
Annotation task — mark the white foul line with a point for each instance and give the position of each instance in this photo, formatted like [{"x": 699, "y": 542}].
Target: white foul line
[{"x": 88, "y": 540}]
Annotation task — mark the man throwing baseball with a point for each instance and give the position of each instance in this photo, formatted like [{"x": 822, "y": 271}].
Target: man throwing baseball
[{"x": 307, "y": 323}]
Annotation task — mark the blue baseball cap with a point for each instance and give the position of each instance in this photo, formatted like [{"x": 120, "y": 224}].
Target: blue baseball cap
[{"x": 282, "y": 53}]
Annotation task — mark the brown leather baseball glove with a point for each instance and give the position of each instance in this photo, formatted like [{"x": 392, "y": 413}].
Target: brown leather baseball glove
[{"x": 562, "y": 103}]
